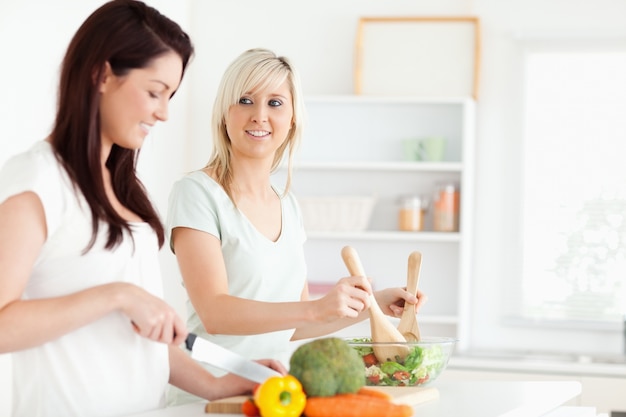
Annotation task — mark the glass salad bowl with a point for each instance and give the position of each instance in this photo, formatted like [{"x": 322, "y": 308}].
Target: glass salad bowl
[{"x": 426, "y": 360}]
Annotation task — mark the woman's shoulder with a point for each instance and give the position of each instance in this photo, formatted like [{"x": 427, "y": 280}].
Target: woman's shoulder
[
  {"x": 33, "y": 168},
  {"x": 39, "y": 156},
  {"x": 38, "y": 170},
  {"x": 195, "y": 202},
  {"x": 196, "y": 180},
  {"x": 196, "y": 188}
]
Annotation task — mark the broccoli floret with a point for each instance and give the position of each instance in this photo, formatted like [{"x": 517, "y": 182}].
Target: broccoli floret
[{"x": 327, "y": 366}]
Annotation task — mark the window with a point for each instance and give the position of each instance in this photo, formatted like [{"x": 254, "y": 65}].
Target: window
[{"x": 574, "y": 187}]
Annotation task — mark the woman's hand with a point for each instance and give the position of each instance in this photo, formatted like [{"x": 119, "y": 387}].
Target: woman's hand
[
  {"x": 349, "y": 297},
  {"x": 391, "y": 300},
  {"x": 273, "y": 364},
  {"x": 151, "y": 316},
  {"x": 237, "y": 385},
  {"x": 189, "y": 375}
]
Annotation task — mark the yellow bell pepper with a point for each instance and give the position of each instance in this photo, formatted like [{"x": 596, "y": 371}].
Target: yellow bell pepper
[{"x": 280, "y": 396}]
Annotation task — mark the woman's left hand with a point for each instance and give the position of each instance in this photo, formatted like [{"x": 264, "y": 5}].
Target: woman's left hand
[
  {"x": 273, "y": 364},
  {"x": 231, "y": 384},
  {"x": 391, "y": 300}
]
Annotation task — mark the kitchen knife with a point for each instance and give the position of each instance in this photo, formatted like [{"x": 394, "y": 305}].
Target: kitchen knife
[{"x": 204, "y": 351}]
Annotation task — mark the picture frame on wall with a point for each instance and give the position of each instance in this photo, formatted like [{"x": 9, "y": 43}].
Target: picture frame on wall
[{"x": 418, "y": 56}]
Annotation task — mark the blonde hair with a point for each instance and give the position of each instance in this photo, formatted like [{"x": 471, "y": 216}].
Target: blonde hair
[{"x": 255, "y": 69}]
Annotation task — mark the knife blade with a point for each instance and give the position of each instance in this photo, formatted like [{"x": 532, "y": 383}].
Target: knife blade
[{"x": 204, "y": 351}]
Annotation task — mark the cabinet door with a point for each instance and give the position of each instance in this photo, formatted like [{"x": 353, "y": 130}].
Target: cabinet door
[
  {"x": 606, "y": 394},
  {"x": 6, "y": 385}
]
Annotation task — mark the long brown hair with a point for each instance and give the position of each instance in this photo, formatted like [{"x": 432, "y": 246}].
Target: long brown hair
[{"x": 127, "y": 34}]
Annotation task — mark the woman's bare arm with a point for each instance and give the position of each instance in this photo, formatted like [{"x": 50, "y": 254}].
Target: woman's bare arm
[
  {"x": 190, "y": 376},
  {"x": 28, "y": 323},
  {"x": 202, "y": 267}
]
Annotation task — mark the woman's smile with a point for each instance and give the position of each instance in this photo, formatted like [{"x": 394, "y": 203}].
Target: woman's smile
[{"x": 258, "y": 133}]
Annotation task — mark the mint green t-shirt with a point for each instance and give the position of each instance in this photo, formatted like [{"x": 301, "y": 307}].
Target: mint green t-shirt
[{"x": 257, "y": 268}]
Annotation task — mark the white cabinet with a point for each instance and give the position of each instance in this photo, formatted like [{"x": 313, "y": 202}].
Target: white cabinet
[
  {"x": 605, "y": 394},
  {"x": 353, "y": 145},
  {"x": 6, "y": 384}
]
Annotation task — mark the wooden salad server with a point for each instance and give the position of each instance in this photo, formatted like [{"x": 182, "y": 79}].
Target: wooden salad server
[
  {"x": 388, "y": 342},
  {"x": 408, "y": 322}
]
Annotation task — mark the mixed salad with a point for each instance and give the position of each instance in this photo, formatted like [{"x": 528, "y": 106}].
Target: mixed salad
[{"x": 422, "y": 365}]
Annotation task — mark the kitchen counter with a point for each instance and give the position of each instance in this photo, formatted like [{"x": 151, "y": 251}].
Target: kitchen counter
[
  {"x": 499, "y": 399},
  {"x": 467, "y": 399}
]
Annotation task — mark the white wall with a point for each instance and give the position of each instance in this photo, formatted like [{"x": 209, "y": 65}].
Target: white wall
[{"x": 319, "y": 38}]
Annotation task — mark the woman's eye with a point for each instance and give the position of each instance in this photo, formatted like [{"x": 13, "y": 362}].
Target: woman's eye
[
  {"x": 153, "y": 95},
  {"x": 244, "y": 100},
  {"x": 275, "y": 103}
]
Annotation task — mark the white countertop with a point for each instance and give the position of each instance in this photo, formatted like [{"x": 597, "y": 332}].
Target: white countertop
[
  {"x": 467, "y": 399},
  {"x": 499, "y": 398}
]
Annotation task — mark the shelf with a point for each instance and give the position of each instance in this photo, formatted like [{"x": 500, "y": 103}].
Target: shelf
[
  {"x": 438, "y": 319},
  {"x": 380, "y": 166},
  {"x": 372, "y": 129},
  {"x": 376, "y": 99},
  {"x": 388, "y": 236}
]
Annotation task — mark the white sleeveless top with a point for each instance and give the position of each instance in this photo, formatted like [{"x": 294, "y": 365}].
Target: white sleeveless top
[{"x": 103, "y": 368}]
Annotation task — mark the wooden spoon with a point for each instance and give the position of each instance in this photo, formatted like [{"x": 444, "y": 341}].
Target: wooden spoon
[
  {"x": 408, "y": 322},
  {"x": 384, "y": 333}
]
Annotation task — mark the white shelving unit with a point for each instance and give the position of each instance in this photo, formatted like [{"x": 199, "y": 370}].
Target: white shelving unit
[{"x": 353, "y": 145}]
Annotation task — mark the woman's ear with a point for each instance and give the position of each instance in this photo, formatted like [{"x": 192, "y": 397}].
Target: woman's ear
[{"x": 102, "y": 77}]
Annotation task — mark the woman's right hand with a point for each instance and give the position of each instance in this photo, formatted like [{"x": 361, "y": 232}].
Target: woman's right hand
[
  {"x": 151, "y": 316},
  {"x": 348, "y": 298}
]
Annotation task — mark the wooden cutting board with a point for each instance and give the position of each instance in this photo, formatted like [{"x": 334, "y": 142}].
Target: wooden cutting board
[{"x": 401, "y": 395}]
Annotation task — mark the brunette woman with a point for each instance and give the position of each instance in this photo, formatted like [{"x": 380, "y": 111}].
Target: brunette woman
[{"x": 81, "y": 305}]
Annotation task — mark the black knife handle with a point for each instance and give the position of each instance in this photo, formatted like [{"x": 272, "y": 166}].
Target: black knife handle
[{"x": 191, "y": 338}]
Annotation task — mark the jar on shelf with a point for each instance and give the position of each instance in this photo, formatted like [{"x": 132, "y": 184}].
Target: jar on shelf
[
  {"x": 446, "y": 204},
  {"x": 411, "y": 213}
]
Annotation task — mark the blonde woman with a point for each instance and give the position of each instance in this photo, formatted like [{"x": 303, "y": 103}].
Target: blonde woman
[{"x": 238, "y": 238}]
